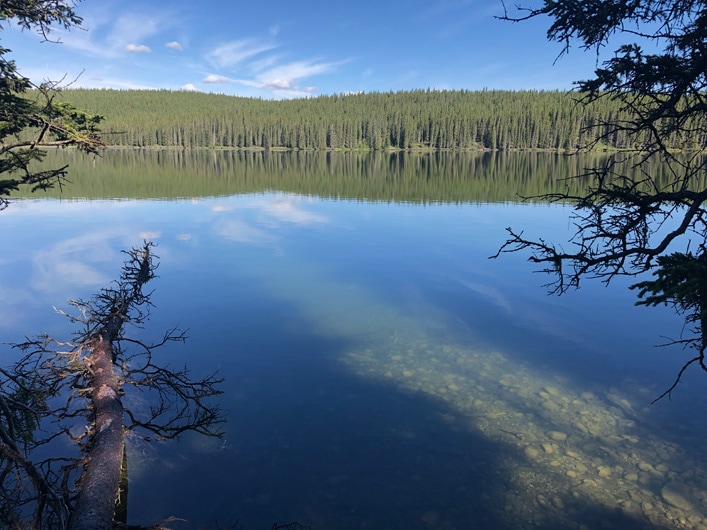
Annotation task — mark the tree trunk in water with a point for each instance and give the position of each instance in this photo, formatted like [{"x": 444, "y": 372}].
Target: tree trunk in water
[{"x": 95, "y": 504}]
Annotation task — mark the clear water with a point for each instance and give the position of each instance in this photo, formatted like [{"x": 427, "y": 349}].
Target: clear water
[{"x": 381, "y": 372}]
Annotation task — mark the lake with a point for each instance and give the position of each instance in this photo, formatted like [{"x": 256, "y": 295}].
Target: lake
[{"x": 381, "y": 371}]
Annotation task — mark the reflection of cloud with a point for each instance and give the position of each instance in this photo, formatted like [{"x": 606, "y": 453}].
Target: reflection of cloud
[
  {"x": 259, "y": 220},
  {"x": 242, "y": 232},
  {"x": 147, "y": 234},
  {"x": 222, "y": 208},
  {"x": 14, "y": 306},
  {"x": 77, "y": 272},
  {"x": 494, "y": 295},
  {"x": 287, "y": 209},
  {"x": 72, "y": 263}
]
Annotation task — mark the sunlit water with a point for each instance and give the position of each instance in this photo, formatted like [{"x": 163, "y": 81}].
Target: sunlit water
[{"x": 381, "y": 372}]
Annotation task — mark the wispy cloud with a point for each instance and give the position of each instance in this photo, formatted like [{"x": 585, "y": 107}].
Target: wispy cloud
[
  {"x": 286, "y": 77},
  {"x": 131, "y": 28},
  {"x": 137, "y": 48},
  {"x": 106, "y": 82},
  {"x": 174, "y": 45},
  {"x": 232, "y": 53},
  {"x": 109, "y": 36}
]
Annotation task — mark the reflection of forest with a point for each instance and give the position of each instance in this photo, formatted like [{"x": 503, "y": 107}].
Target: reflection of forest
[{"x": 488, "y": 177}]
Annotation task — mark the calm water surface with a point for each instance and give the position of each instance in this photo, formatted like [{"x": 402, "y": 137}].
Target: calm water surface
[{"x": 381, "y": 372}]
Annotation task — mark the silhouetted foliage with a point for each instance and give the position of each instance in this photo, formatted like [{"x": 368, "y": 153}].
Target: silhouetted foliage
[
  {"x": 30, "y": 116},
  {"x": 626, "y": 225}
]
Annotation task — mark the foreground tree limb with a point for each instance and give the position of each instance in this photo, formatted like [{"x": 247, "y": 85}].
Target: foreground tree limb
[
  {"x": 99, "y": 484},
  {"x": 57, "y": 384},
  {"x": 628, "y": 226},
  {"x": 31, "y": 119}
]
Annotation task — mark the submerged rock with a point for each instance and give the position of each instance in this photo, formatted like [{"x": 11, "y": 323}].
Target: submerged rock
[{"x": 677, "y": 495}]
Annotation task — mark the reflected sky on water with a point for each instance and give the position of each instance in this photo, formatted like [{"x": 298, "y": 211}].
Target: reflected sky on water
[{"x": 381, "y": 371}]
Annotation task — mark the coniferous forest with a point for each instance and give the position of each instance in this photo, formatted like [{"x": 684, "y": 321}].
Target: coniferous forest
[{"x": 410, "y": 120}]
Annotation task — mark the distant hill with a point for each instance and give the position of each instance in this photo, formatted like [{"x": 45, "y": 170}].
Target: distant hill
[{"x": 410, "y": 120}]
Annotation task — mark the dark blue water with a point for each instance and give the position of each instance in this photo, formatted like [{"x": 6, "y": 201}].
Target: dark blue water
[{"x": 381, "y": 372}]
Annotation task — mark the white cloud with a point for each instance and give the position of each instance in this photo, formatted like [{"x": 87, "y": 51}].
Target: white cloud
[
  {"x": 232, "y": 53},
  {"x": 189, "y": 88},
  {"x": 137, "y": 48},
  {"x": 279, "y": 84},
  {"x": 213, "y": 78},
  {"x": 174, "y": 45}
]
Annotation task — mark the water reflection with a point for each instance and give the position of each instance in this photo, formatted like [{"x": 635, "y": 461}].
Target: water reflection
[
  {"x": 536, "y": 445},
  {"x": 382, "y": 372},
  {"x": 419, "y": 178}
]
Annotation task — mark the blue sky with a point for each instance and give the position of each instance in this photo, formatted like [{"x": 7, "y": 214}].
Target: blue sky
[{"x": 284, "y": 49}]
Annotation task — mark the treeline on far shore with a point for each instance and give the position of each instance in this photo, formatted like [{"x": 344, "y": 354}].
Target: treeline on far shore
[{"x": 410, "y": 120}]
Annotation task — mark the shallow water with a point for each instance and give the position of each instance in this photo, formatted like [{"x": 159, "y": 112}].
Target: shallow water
[{"x": 381, "y": 371}]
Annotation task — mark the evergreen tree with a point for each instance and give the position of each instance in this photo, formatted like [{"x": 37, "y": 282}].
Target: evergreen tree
[{"x": 30, "y": 115}]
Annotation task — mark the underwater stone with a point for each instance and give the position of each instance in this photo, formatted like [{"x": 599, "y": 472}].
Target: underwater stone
[
  {"x": 531, "y": 453},
  {"x": 557, "y": 436},
  {"x": 551, "y": 406},
  {"x": 430, "y": 517},
  {"x": 676, "y": 494}
]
